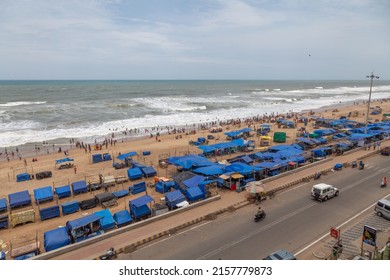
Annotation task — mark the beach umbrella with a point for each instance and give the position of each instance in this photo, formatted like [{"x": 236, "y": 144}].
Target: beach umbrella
[{"x": 255, "y": 187}]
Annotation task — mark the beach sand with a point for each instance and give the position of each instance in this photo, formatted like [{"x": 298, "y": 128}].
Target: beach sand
[{"x": 86, "y": 170}]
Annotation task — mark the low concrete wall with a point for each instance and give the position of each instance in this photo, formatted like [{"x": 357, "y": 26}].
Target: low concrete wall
[{"x": 109, "y": 234}]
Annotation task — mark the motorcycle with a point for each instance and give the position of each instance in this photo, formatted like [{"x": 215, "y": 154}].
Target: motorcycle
[
  {"x": 317, "y": 176},
  {"x": 110, "y": 254},
  {"x": 383, "y": 184},
  {"x": 361, "y": 165},
  {"x": 259, "y": 216}
]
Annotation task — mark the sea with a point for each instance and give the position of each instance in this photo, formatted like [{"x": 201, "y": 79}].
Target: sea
[{"x": 55, "y": 111}]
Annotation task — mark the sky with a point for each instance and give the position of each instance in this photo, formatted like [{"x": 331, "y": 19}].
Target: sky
[{"x": 194, "y": 39}]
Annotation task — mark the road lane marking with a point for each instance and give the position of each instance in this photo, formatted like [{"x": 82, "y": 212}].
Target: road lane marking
[{"x": 344, "y": 223}]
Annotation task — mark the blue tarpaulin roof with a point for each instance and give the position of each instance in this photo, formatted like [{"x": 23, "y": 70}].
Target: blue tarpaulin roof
[
  {"x": 122, "y": 218},
  {"x": 216, "y": 169},
  {"x": 79, "y": 187},
  {"x": 140, "y": 201},
  {"x": 58, "y": 161},
  {"x": 240, "y": 167},
  {"x": 194, "y": 193},
  {"x": 124, "y": 156},
  {"x": 63, "y": 191},
  {"x": 3, "y": 204},
  {"x": 194, "y": 181},
  {"x": 134, "y": 173},
  {"x": 174, "y": 197},
  {"x": 56, "y": 238},
  {"x": 43, "y": 194},
  {"x": 107, "y": 220},
  {"x": 268, "y": 165},
  {"x": 190, "y": 161},
  {"x": 83, "y": 221},
  {"x": 358, "y": 136},
  {"x": 19, "y": 199}
]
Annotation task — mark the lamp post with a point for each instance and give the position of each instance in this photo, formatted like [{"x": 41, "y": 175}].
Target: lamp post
[{"x": 372, "y": 76}]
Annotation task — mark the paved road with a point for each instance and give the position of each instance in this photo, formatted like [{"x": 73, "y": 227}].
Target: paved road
[{"x": 293, "y": 220}]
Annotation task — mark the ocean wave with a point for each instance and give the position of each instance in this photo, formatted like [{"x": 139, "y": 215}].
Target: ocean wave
[{"x": 21, "y": 103}]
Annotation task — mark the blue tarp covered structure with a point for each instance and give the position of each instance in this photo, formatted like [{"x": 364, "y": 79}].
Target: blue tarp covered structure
[
  {"x": 97, "y": 158},
  {"x": 139, "y": 208},
  {"x": 173, "y": 198},
  {"x": 3, "y": 204},
  {"x": 241, "y": 168},
  {"x": 49, "y": 212},
  {"x": 134, "y": 173},
  {"x": 163, "y": 187},
  {"x": 268, "y": 165},
  {"x": 56, "y": 238},
  {"x": 82, "y": 222},
  {"x": 107, "y": 220},
  {"x": 43, "y": 194},
  {"x": 216, "y": 169},
  {"x": 189, "y": 161},
  {"x": 63, "y": 191},
  {"x": 122, "y": 218},
  {"x": 322, "y": 152},
  {"x": 23, "y": 177},
  {"x": 359, "y": 136},
  {"x": 70, "y": 207},
  {"x": 194, "y": 181},
  {"x": 59, "y": 161},
  {"x": 124, "y": 156},
  {"x": 138, "y": 188},
  {"x": 19, "y": 199},
  {"x": 79, "y": 187},
  {"x": 148, "y": 171},
  {"x": 194, "y": 194},
  {"x": 121, "y": 193}
]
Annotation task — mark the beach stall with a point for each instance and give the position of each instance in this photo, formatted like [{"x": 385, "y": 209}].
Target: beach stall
[
  {"x": 43, "y": 194},
  {"x": 19, "y": 199},
  {"x": 79, "y": 187},
  {"x": 3, "y": 205},
  {"x": 107, "y": 221},
  {"x": 70, "y": 207},
  {"x": 194, "y": 194},
  {"x": 173, "y": 198},
  {"x": 134, "y": 173},
  {"x": 148, "y": 171},
  {"x": 121, "y": 193},
  {"x": 49, "y": 212},
  {"x": 84, "y": 227},
  {"x": 64, "y": 163},
  {"x": 22, "y": 217},
  {"x": 88, "y": 203},
  {"x": 56, "y": 238},
  {"x": 106, "y": 199},
  {"x": 97, "y": 158},
  {"x": 164, "y": 186},
  {"x": 122, "y": 218},
  {"x": 23, "y": 177},
  {"x": 63, "y": 191},
  {"x": 139, "y": 207},
  {"x": 137, "y": 188},
  {"x": 4, "y": 221},
  {"x": 280, "y": 137}
]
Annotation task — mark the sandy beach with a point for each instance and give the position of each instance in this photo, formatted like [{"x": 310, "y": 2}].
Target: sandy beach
[{"x": 162, "y": 146}]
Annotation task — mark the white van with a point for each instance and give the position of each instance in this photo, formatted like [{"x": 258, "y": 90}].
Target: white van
[
  {"x": 382, "y": 208},
  {"x": 323, "y": 192}
]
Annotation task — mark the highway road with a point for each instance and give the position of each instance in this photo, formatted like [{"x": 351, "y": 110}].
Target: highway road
[{"x": 293, "y": 220}]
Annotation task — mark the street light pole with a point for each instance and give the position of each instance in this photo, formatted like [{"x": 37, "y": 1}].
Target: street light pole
[{"x": 372, "y": 76}]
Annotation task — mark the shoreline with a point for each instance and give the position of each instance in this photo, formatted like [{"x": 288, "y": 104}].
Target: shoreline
[{"x": 28, "y": 150}]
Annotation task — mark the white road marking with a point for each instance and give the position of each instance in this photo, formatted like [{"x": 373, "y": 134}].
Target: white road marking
[{"x": 347, "y": 221}]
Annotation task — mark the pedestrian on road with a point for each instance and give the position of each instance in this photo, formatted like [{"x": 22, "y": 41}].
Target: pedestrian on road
[{"x": 75, "y": 169}]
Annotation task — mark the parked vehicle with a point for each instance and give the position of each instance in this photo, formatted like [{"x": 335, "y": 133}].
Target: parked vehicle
[
  {"x": 281, "y": 255},
  {"x": 382, "y": 208},
  {"x": 323, "y": 192}
]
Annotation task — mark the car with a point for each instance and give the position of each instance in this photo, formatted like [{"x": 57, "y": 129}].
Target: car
[
  {"x": 323, "y": 192},
  {"x": 281, "y": 255},
  {"x": 385, "y": 151}
]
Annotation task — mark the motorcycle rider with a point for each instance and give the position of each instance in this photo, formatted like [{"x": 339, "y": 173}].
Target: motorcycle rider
[
  {"x": 384, "y": 181},
  {"x": 260, "y": 212}
]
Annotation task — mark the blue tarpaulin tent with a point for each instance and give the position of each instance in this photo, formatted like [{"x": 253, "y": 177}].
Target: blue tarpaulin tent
[
  {"x": 121, "y": 193},
  {"x": 241, "y": 168},
  {"x": 97, "y": 158},
  {"x": 107, "y": 220},
  {"x": 163, "y": 187},
  {"x": 194, "y": 181},
  {"x": 63, "y": 191},
  {"x": 56, "y": 238},
  {"x": 190, "y": 161},
  {"x": 211, "y": 170},
  {"x": 124, "y": 156},
  {"x": 194, "y": 194},
  {"x": 148, "y": 171},
  {"x": 79, "y": 187},
  {"x": 139, "y": 208},
  {"x": 173, "y": 198},
  {"x": 122, "y": 218},
  {"x": 59, "y": 161},
  {"x": 43, "y": 194},
  {"x": 19, "y": 199},
  {"x": 134, "y": 173},
  {"x": 3, "y": 204},
  {"x": 70, "y": 207},
  {"x": 23, "y": 177}
]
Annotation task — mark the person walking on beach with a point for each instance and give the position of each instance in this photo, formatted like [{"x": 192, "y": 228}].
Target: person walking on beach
[{"x": 75, "y": 169}]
